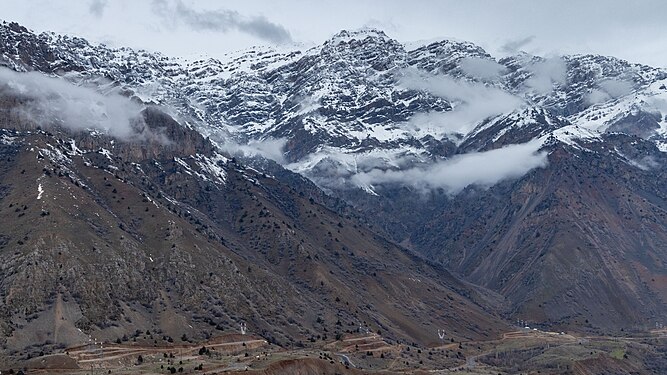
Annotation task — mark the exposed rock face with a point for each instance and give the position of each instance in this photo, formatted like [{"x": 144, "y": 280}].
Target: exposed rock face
[{"x": 159, "y": 136}]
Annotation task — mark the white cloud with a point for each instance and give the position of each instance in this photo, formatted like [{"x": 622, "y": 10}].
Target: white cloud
[
  {"x": 545, "y": 74},
  {"x": 97, "y": 7},
  {"x": 597, "y": 96},
  {"x": 515, "y": 45},
  {"x": 453, "y": 175},
  {"x": 473, "y": 102},
  {"x": 616, "y": 88},
  {"x": 657, "y": 103},
  {"x": 486, "y": 69},
  {"x": 220, "y": 20},
  {"x": 270, "y": 148},
  {"x": 609, "y": 89},
  {"x": 56, "y": 101}
]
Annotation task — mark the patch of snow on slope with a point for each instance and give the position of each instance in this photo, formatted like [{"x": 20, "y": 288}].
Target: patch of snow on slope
[
  {"x": 106, "y": 153},
  {"x": 572, "y": 133},
  {"x": 213, "y": 166},
  {"x": 7, "y": 139}
]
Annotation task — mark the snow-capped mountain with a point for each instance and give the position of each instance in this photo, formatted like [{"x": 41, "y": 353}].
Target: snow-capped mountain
[
  {"x": 362, "y": 96},
  {"x": 502, "y": 168},
  {"x": 362, "y": 101}
]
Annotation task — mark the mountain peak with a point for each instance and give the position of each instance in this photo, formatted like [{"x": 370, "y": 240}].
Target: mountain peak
[
  {"x": 349, "y": 36},
  {"x": 15, "y": 27}
]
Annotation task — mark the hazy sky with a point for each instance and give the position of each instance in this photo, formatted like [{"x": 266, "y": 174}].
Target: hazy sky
[{"x": 634, "y": 30}]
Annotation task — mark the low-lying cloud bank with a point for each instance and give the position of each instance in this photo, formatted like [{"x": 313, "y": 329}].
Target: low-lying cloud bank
[
  {"x": 271, "y": 148},
  {"x": 545, "y": 74},
  {"x": 609, "y": 89},
  {"x": 55, "y": 101},
  {"x": 485, "y": 69},
  {"x": 453, "y": 175},
  {"x": 473, "y": 102}
]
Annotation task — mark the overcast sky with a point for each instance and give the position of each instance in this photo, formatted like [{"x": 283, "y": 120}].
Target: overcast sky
[{"x": 631, "y": 29}]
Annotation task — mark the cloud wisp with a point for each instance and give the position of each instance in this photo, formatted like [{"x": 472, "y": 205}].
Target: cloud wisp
[
  {"x": 97, "y": 7},
  {"x": 545, "y": 74},
  {"x": 473, "y": 102},
  {"x": 54, "y": 101},
  {"x": 220, "y": 20},
  {"x": 609, "y": 89},
  {"x": 483, "y": 169},
  {"x": 486, "y": 69},
  {"x": 270, "y": 148},
  {"x": 514, "y": 46}
]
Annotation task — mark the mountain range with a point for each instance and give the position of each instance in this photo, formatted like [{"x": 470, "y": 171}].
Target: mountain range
[{"x": 359, "y": 182}]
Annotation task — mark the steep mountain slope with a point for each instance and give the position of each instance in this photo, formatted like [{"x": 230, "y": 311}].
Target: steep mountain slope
[
  {"x": 104, "y": 237},
  {"x": 580, "y": 243}
]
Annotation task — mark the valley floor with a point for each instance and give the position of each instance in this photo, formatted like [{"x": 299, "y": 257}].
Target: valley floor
[{"x": 522, "y": 351}]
